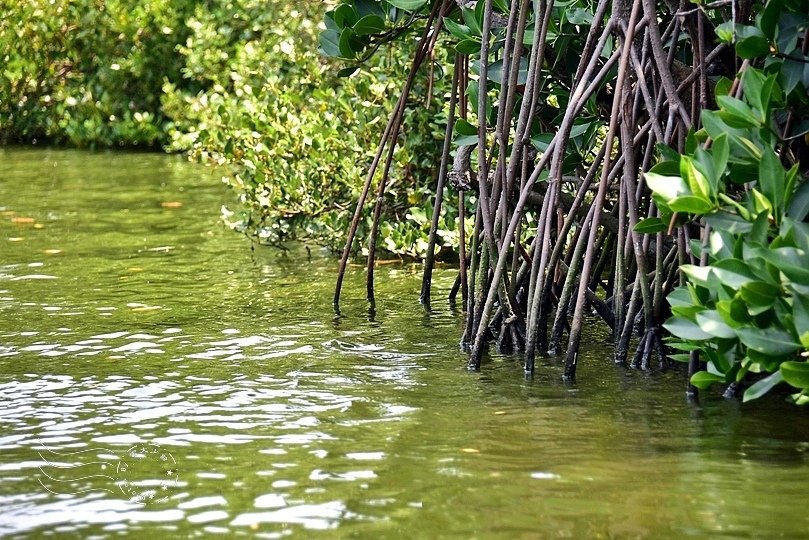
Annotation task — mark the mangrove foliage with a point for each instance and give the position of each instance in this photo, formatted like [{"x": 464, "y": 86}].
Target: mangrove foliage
[{"x": 644, "y": 162}]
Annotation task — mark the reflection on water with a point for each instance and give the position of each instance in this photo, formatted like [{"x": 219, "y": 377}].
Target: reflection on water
[{"x": 157, "y": 376}]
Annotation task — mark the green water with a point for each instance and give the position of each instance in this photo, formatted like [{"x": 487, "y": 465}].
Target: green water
[{"x": 159, "y": 378}]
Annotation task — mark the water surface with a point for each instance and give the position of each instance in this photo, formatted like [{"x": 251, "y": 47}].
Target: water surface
[{"x": 160, "y": 377}]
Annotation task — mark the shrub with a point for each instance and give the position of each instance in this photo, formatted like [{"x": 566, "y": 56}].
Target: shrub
[
  {"x": 88, "y": 73},
  {"x": 291, "y": 137}
]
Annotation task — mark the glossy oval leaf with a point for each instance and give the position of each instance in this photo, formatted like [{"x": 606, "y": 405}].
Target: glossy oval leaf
[
  {"x": 370, "y": 24},
  {"x": 651, "y": 225},
  {"x": 800, "y": 313},
  {"x": 793, "y": 262},
  {"x": 733, "y": 273},
  {"x": 759, "y": 293},
  {"x": 685, "y": 329},
  {"x": 460, "y": 31},
  {"x": 691, "y": 204},
  {"x": 329, "y": 41},
  {"x": 799, "y": 206},
  {"x": 771, "y": 179},
  {"x": 667, "y": 187},
  {"x": 762, "y": 387},
  {"x": 680, "y": 296},
  {"x": 471, "y": 21},
  {"x": 369, "y": 7},
  {"x": 345, "y": 16},
  {"x": 796, "y": 373},
  {"x": 348, "y": 71},
  {"x": 463, "y": 127},
  {"x": 346, "y": 46},
  {"x": 697, "y": 274},
  {"x": 767, "y": 340},
  {"x": 704, "y": 380},
  {"x": 733, "y": 313},
  {"x": 739, "y": 109},
  {"x": 731, "y": 223},
  {"x": 696, "y": 180},
  {"x": 711, "y": 323},
  {"x": 468, "y": 46}
]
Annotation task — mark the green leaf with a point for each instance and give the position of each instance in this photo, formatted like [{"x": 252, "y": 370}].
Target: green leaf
[
  {"x": 697, "y": 274},
  {"x": 800, "y": 398},
  {"x": 771, "y": 179},
  {"x": 753, "y": 84},
  {"x": 717, "y": 362},
  {"x": 762, "y": 387},
  {"x": 695, "y": 179},
  {"x": 796, "y": 373},
  {"x": 500, "y": 5},
  {"x": 773, "y": 9},
  {"x": 723, "y": 85},
  {"x": 688, "y": 312},
  {"x": 720, "y": 152},
  {"x": 752, "y": 149},
  {"x": 767, "y": 340},
  {"x": 408, "y": 5},
  {"x": 465, "y": 140},
  {"x": 711, "y": 323},
  {"x": 541, "y": 141},
  {"x": 792, "y": 262},
  {"x": 463, "y": 127},
  {"x": 721, "y": 243},
  {"x": 731, "y": 223},
  {"x": 650, "y": 225},
  {"x": 752, "y": 47},
  {"x": 760, "y": 202},
  {"x": 468, "y": 46},
  {"x": 370, "y": 24},
  {"x": 793, "y": 72},
  {"x": 732, "y": 273},
  {"x": 368, "y": 7},
  {"x": 683, "y": 345},
  {"x": 733, "y": 312},
  {"x": 740, "y": 110},
  {"x": 685, "y": 329},
  {"x": 329, "y": 41},
  {"x": 703, "y": 380},
  {"x": 495, "y": 71},
  {"x": 460, "y": 31},
  {"x": 691, "y": 204},
  {"x": 471, "y": 21},
  {"x": 346, "y": 48},
  {"x": 761, "y": 229},
  {"x": 800, "y": 313},
  {"x": 725, "y": 32},
  {"x": 799, "y": 206},
  {"x": 348, "y": 71},
  {"x": 680, "y": 357},
  {"x": 680, "y": 297},
  {"x": 715, "y": 126},
  {"x": 759, "y": 294},
  {"x": 345, "y": 16},
  {"x": 479, "y": 9}
]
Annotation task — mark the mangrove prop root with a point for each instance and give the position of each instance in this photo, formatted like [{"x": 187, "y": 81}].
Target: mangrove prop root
[{"x": 553, "y": 245}]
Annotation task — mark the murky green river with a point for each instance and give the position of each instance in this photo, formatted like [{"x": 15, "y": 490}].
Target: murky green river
[{"x": 159, "y": 378}]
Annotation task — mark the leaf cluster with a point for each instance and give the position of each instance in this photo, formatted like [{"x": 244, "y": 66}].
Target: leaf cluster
[{"x": 746, "y": 311}]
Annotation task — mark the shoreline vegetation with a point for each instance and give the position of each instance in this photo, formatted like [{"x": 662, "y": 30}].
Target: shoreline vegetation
[{"x": 646, "y": 162}]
